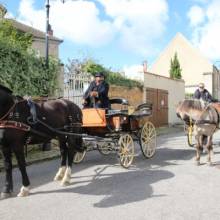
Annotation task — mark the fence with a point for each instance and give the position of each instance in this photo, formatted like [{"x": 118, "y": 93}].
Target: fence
[{"x": 75, "y": 86}]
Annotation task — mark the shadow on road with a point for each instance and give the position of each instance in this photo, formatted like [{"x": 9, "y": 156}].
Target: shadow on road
[{"x": 117, "y": 188}]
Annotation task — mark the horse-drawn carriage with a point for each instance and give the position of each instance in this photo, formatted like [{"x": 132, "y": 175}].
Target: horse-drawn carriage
[
  {"x": 23, "y": 122},
  {"x": 117, "y": 130}
]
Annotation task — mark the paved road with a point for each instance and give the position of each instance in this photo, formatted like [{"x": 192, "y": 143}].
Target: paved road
[{"x": 169, "y": 186}]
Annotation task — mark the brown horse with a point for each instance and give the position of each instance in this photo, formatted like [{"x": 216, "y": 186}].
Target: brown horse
[
  {"x": 25, "y": 122},
  {"x": 204, "y": 118}
]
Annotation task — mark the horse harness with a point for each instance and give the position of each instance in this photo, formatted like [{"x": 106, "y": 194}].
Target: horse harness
[
  {"x": 11, "y": 123},
  {"x": 31, "y": 121}
]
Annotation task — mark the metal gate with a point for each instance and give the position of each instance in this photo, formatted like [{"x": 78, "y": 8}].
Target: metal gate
[
  {"x": 159, "y": 98},
  {"x": 75, "y": 85}
]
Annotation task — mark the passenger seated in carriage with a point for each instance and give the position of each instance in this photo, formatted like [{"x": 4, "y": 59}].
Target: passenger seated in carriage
[
  {"x": 96, "y": 96},
  {"x": 203, "y": 94}
]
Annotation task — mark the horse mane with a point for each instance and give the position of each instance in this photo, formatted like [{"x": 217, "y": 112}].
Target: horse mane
[{"x": 5, "y": 89}]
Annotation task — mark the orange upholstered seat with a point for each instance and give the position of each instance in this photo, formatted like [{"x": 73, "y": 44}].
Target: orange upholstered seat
[{"x": 94, "y": 117}]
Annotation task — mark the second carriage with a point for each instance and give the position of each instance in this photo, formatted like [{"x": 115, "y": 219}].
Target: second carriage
[{"x": 117, "y": 130}]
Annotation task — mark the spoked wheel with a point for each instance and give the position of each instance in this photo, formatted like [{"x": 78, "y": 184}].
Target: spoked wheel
[
  {"x": 148, "y": 140},
  {"x": 190, "y": 137},
  {"x": 79, "y": 156},
  {"x": 103, "y": 149},
  {"x": 126, "y": 150}
]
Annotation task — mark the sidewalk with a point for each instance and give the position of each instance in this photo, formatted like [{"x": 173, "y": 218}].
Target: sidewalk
[{"x": 36, "y": 155}]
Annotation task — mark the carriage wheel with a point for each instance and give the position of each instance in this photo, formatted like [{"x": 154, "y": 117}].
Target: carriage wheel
[
  {"x": 190, "y": 136},
  {"x": 103, "y": 149},
  {"x": 148, "y": 140},
  {"x": 79, "y": 156},
  {"x": 126, "y": 150}
]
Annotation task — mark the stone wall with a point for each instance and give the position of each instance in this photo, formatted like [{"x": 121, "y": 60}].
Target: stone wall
[{"x": 133, "y": 95}]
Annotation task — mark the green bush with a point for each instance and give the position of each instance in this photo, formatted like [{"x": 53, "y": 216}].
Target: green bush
[
  {"x": 20, "y": 69},
  {"x": 119, "y": 80},
  {"x": 113, "y": 78}
]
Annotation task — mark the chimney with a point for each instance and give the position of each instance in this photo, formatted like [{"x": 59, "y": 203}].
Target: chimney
[
  {"x": 3, "y": 11},
  {"x": 50, "y": 30},
  {"x": 145, "y": 66}
]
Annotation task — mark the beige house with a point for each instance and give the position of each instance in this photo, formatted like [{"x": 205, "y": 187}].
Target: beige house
[
  {"x": 38, "y": 43},
  {"x": 165, "y": 94},
  {"x": 195, "y": 67}
]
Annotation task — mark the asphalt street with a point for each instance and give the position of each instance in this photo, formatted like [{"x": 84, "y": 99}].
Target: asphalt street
[{"x": 168, "y": 186}]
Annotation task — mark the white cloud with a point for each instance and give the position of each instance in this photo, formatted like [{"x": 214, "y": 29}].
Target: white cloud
[
  {"x": 139, "y": 22},
  {"x": 134, "y": 72},
  {"x": 196, "y": 15},
  {"x": 136, "y": 24},
  {"x": 206, "y": 35},
  {"x": 75, "y": 20}
]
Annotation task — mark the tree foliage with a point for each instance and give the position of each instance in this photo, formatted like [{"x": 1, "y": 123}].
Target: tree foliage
[
  {"x": 175, "y": 70},
  {"x": 92, "y": 67},
  {"x": 14, "y": 37},
  {"x": 20, "y": 69}
]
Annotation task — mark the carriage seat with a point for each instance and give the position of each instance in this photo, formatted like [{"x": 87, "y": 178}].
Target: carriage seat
[
  {"x": 94, "y": 117},
  {"x": 121, "y": 105},
  {"x": 97, "y": 117}
]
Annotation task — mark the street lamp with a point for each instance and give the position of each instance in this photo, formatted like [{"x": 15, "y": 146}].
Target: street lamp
[
  {"x": 48, "y": 29},
  {"x": 47, "y": 34}
]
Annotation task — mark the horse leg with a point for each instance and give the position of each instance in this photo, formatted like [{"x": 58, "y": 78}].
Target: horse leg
[
  {"x": 210, "y": 150},
  {"x": 63, "y": 152},
  {"x": 198, "y": 147},
  {"x": 19, "y": 153},
  {"x": 8, "y": 187},
  {"x": 67, "y": 177}
]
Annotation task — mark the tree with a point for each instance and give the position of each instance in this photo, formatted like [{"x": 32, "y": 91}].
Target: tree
[
  {"x": 20, "y": 69},
  {"x": 92, "y": 67},
  {"x": 13, "y": 36},
  {"x": 175, "y": 70}
]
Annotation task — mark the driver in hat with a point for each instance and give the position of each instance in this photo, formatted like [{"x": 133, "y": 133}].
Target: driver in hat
[{"x": 96, "y": 96}]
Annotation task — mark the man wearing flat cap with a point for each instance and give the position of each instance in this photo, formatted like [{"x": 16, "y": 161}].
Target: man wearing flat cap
[
  {"x": 96, "y": 96},
  {"x": 202, "y": 93}
]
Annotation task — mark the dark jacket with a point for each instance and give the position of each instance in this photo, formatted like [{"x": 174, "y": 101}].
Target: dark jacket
[
  {"x": 204, "y": 95},
  {"x": 102, "y": 98}
]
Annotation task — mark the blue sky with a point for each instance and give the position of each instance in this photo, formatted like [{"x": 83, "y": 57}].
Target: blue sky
[{"x": 123, "y": 33}]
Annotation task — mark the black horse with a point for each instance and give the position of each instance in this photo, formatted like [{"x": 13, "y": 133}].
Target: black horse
[{"x": 25, "y": 122}]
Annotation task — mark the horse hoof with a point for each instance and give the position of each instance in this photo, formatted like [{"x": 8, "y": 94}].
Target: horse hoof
[
  {"x": 5, "y": 195},
  {"x": 65, "y": 183},
  {"x": 210, "y": 164},
  {"x": 58, "y": 178},
  {"x": 23, "y": 192},
  {"x": 197, "y": 163},
  {"x": 60, "y": 174}
]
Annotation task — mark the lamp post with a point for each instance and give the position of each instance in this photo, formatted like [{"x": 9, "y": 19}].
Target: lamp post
[
  {"x": 48, "y": 28},
  {"x": 47, "y": 34}
]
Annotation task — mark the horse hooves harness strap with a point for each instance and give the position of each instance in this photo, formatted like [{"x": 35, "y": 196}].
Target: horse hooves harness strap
[{"x": 15, "y": 125}]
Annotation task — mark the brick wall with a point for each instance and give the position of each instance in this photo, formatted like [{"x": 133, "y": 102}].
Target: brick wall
[{"x": 133, "y": 95}]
